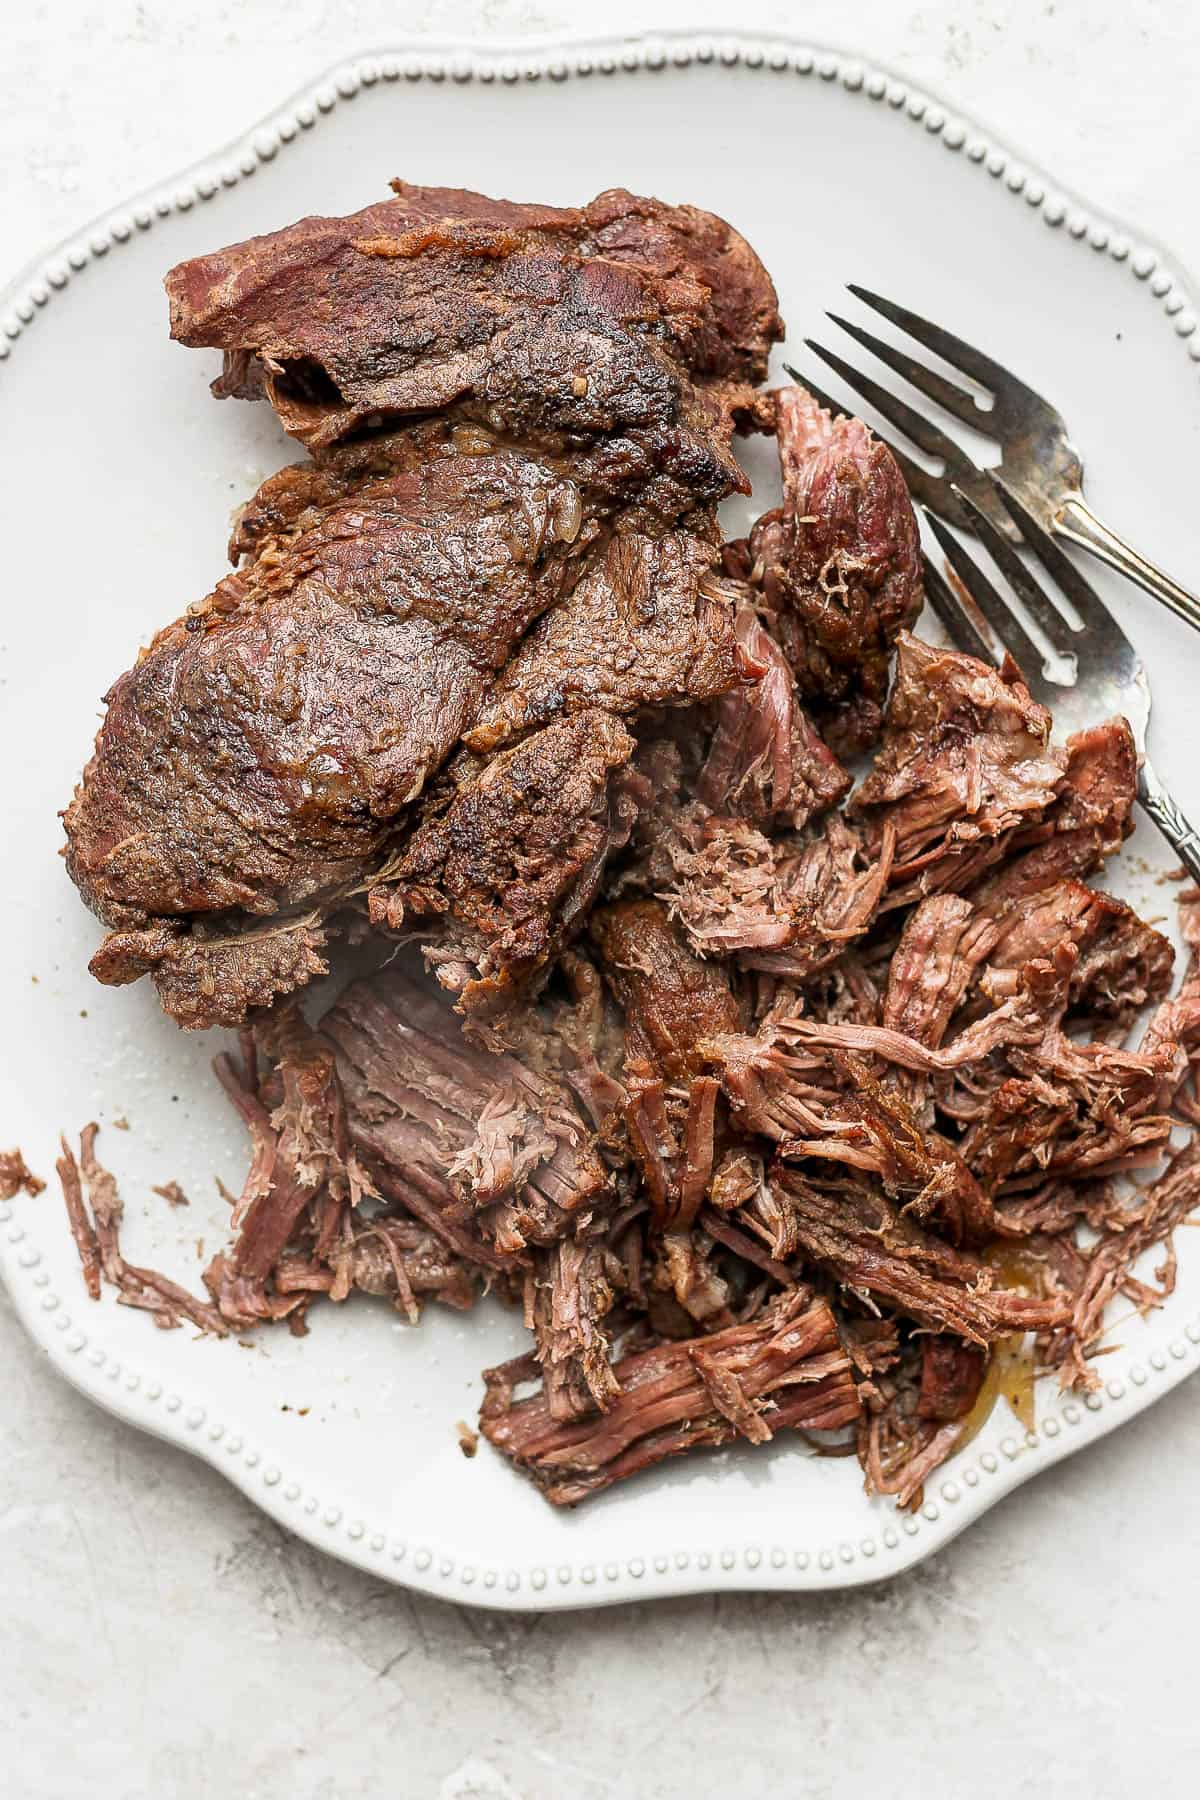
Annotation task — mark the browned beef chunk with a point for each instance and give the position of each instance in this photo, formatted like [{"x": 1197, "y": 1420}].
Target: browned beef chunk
[
  {"x": 541, "y": 321},
  {"x": 508, "y": 858},
  {"x": 496, "y": 1148},
  {"x": 839, "y": 565},
  {"x": 650, "y": 624},
  {"x": 767, "y": 761},
  {"x": 965, "y": 761},
  {"x": 256, "y": 756},
  {"x": 216, "y": 972},
  {"x": 784, "y": 1368},
  {"x": 259, "y": 759}
]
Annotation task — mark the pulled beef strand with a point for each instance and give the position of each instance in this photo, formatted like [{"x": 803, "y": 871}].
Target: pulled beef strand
[{"x": 785, "y": 1368}]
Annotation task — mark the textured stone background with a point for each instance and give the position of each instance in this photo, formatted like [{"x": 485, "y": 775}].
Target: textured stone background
[{"x": 159, "y": 1637}]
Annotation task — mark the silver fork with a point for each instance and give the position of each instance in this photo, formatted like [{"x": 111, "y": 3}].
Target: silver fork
[
  {"x": 1039, "y": 463},
  {"x": 1092, "y": 671}
]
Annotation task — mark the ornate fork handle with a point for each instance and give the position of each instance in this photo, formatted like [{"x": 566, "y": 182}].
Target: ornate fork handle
[
  {"x": 1078, "y": 522},
  {"x": 1182, "y": 837}
]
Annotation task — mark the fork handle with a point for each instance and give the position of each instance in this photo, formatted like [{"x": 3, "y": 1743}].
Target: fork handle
[
  {"x": 1183, "y": 838},
  {"x": 1078, "y": 522}
]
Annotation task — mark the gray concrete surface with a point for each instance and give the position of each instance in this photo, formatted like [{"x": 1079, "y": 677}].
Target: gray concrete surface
[{"x": 159, "y": 1638}]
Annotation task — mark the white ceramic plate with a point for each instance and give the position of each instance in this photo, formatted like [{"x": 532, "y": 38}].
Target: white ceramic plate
[{"x": 119, "y": 475}]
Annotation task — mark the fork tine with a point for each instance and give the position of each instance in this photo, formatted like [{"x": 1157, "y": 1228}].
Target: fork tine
[
  {"x": 1102, "y": 635},
  {"x": 955, "y": 612},
  {"x": 935, "y": 387},
  {"x": 1009, "y": 630},
  {"x": 960, "y": 471},
  {"x": 931, "y": 490},
  {"x": 916, "y": 427},
  {"x": 1037, "y": 602},
  {"x": 972, "y": 363}
]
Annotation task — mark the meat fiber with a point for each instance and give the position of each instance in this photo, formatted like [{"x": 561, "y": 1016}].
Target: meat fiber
[
  {"x": 672, "y": 1003},
  {"x": 872, "y": 1128},
  {"x": 570, "y": 1289},
  {"x": 860, "y": 1239},
  {"x": 1087, "y": 823},
  {"x": 786, "y": 906}
]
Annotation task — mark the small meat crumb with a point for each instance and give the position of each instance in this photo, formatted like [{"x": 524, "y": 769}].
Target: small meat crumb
[
  {"x": 121, "y": 1124},
  {"x": 15, "y": 1174},
  {"x": 172, "y": 1193},
  {"x": 468, "y": 1440}
]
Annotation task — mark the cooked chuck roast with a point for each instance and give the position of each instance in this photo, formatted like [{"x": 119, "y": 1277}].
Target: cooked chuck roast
[
  {"x": 561, "y": 387},
  {"x": 769, "y": 1114},
  {"x": 628, "y": 327}
]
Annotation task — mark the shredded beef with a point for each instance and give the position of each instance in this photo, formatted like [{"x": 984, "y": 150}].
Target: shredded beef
[
  {"x": 785, "y": 906},
  {"x": 763, "y": 1112},
  {"x": 784, "y": 1368},
  {"x": 672, "y": 1002},
  {"x": 860, "y": 1238},
  {"x": 498, "y": 1149},
  {"x": 95, "y": 1226},
  {"x": 965, "y": 760}
]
